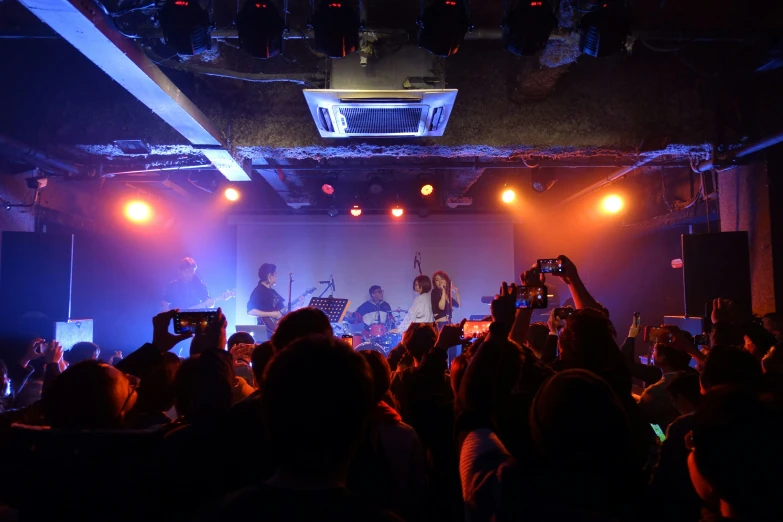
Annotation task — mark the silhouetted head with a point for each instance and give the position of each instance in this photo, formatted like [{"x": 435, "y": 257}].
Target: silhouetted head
[
  {"x": 202, "y": 386},
  {"x": 239, "y": 338},
  {"x": 735, "y": 454},
  {"x": 83, "y": 351},
  {"x": 419, "y": 339},
  {"x": 758, "y": 341},
  {"x": 381, "y": 373},
  {"x": 685, "y": 392},
  {"x": 670, "y": 359},
  {"x": 259, "y": 360},
  {"x": 316, "y": 398},
  {"x": 537, "y": 335},
  {"x": 300, "y": 323},
  {"x": 730, "y": 365},
  {"x": 90, "y": 395}
]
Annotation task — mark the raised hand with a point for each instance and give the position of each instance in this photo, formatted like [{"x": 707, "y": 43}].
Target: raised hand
[
  {"x": 53, "y": 352},
  {"x": 241, "y": 353},
  {"x": 569, "y": 270},
  {"x": 721, "y": 310},
  {"x": 504, "y": 307},
  {"x": 636, "y": 327},
  {"x": 35, "y": 350},
  {"x": 162, "y": 339},
  {"x": 554, "y": 322},
  {"x": 213, "y": 338},
  {"x": 451, "y": 335}
]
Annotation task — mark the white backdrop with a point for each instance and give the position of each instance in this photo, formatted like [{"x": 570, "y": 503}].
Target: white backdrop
[{"x": 477, "y": 252}]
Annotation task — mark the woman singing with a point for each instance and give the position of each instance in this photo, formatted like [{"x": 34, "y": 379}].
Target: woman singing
[
  {"x": 421, "y": 309},
  {"x": 440, "y": 297}
]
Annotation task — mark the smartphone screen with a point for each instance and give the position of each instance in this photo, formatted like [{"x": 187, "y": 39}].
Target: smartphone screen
[
  {"x": 659, "y": 335},
  {"x": 193, "y": 322},
  {"x": 659, "y": 432},
  {"x": 563, "y": 313},
  {"x": 348, "y": 338},
  {"x": 473, "y": 329},
  {"x": 531, "y": 297},
  {"x": 550, "y": 266}
]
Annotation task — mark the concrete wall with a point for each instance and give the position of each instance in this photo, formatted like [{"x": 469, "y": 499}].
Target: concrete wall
[{"x": 744, "y": 206}]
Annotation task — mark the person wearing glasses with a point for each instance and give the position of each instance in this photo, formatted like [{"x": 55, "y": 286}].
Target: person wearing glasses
[
  {"x": 375, "y": 310},
  {"x": 265, "y": 304}
]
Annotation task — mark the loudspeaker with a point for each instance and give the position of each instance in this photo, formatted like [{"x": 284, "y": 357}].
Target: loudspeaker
[
  {"x": 716, "y": 265},
  {"x": 35, "y": 278}
]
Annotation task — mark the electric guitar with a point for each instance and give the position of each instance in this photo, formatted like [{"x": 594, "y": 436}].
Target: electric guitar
[
  {"x": 271, "y": 323},
  {"x": 210, "y": 303}
]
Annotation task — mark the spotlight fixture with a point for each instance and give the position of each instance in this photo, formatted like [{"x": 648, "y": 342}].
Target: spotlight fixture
[
  {"x": 260, "y": 29},
  {"x": 327, "y": 189},
  {"x": 541, "y": 181},
  {"x": 604, "y": 29},
  {"x": 526, "y": 28},
  {"x": 375, "y": 185},
  {"x": 356, "y": 211},
  {"x": 612, "y": 204},
  {"x": 427, "y": 189},
  {"x": 186, "y": 26},
  {"x": 138, "y": 211},
  {"x": 508, "y": 196},
  {"x": 333, "y": 211},
  {"x": 442, "y": 27},
  {"x": 231, "y": 194},
  {"x": 397, "y": 211},
  {"x": 336, "y": 28}
]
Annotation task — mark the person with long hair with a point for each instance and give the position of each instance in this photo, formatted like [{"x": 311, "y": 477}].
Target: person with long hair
[
  {"x": 441, "y": 304},
  {"x": 421, "y": 309}
]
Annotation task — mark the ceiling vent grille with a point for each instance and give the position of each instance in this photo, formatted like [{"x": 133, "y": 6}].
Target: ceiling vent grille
[{"x": 345, "y": 113}]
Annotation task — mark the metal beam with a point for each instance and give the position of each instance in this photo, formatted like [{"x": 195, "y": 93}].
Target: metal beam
[{"x": 85, "y": 26}]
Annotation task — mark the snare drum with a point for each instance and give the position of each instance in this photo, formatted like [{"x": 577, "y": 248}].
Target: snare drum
[
  {"x": 371, "y": 346},
  {"x": 377, "y": 330}
]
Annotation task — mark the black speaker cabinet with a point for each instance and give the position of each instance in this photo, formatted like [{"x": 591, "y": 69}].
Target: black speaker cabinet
[
  {"x": 716, "y": 265},
  {"x": 35, "y": 277}
]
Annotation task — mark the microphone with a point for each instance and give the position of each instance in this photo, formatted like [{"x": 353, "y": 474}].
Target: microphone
[{"x": 415, "y": 258}]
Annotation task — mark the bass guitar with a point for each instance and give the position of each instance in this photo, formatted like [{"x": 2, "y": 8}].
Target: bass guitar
[{"x": 271, "y": 323}]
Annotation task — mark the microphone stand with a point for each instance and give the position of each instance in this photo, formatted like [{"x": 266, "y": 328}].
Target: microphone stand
[
  {"x": 448, "y": 288},
  {"x": 290, "y": 284}
]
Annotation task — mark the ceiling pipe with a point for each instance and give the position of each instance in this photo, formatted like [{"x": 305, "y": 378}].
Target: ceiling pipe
[
  {"x": 741, "y": 152},
  {"x": 611, "y": 178},
  {"x": 38, "y": 157}
]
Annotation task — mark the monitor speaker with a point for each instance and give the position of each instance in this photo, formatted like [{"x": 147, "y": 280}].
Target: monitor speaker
[
  {"x": 716, "y": 265},
  {"x": 35, "y": 279}
]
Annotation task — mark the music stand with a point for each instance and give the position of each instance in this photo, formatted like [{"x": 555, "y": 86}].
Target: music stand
[{"x": 333, "y": 307}]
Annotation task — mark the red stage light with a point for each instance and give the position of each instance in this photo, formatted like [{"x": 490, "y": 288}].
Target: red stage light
[
  {"x": 356, "y": 211},
  {"x": 181, "y": 2},
  {"x": 536, "y": 4},
  {"x": 327, "y": 189}
]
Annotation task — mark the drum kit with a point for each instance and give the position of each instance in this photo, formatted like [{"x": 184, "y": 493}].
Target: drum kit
[{"x": 376, "y": 336}]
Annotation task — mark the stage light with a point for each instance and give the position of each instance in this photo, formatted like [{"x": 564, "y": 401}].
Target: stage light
[
  {"x": 327, "y": 189},
  {"x": 427, "y": 189},
  {"x": 612, "y": 204},
  {"x": 442, "y": 27},
  {"x": 527, "y": 27},
  {"x": 333, "y": 211},
  {"x": 138, "y": 211},
  {"x": 541, "y": 181},
  {"x": 356, "y": 211},
  {"x": 397, "y": 211},
  {"x": 186, "y": 26},
  {"x": 604, "y": 29},
  {"x": 336, "y": 28},
  {"x": 260, "y": 29},
  {"x": 231, "y": 194},
  {"x": 508, "y": 196}
]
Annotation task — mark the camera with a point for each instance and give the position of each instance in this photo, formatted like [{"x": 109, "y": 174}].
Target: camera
[
  {"x": 531, "y": 297},
  {"x": 194, "y": 322},
  {"x": 550, "y": 266}
]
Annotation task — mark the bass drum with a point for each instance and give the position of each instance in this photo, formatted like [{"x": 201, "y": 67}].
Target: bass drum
[{"x": 371, "y": 346}]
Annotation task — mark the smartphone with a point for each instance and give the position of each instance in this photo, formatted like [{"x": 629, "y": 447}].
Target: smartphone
[
  {"x": 348, "y": 338},
  {"x": 658, "y": 335},
  {"x": 194, "y": 322},
  {"x": 473, "y": 329},
  {"x": 659, "y": 432},
  {"x": 564, "y": 313},
  {"x": 637, "y": 319},
  {"x": 701, "y": 340},
  {"x": 550, "y": 266},
  {"x": 531, "y": 297}
]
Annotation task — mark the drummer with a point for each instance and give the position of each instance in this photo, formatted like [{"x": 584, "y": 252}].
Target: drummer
[{"x": 375, "y": 310}]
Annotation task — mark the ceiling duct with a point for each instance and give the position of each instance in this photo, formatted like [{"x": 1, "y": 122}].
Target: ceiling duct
[{"x": 397, "y": 95}]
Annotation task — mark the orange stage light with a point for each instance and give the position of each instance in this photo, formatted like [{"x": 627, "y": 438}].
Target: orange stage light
[{"x": 138, "y": 211}]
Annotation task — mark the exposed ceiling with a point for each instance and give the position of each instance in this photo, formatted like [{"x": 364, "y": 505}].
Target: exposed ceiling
[{"x": 698, "y": 78}]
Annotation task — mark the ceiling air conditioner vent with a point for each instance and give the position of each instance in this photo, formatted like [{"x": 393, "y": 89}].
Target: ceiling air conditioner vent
[{"x": 404, "y": 113}]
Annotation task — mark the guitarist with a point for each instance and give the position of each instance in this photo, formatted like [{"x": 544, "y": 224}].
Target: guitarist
[
  {"x": 265, "y": 304},
  {"x": 188, "y": 290}
]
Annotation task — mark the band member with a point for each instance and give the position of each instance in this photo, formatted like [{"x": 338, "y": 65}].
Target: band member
[
  {"x": 376, "y": 310},
  {"x": 421, "y": 309},
  {"x": 187, "y": 291},
  {"x": 264, "y": 302},
  {"x": 441, "y": 309}
]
